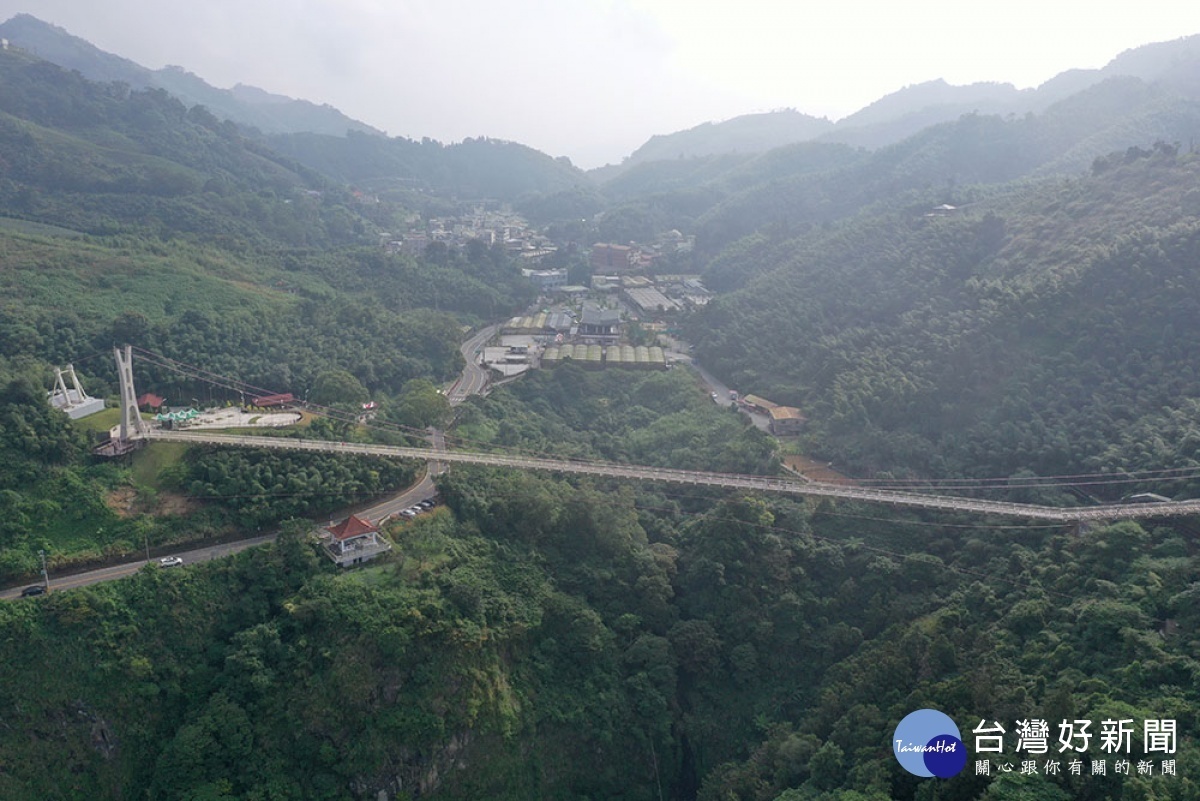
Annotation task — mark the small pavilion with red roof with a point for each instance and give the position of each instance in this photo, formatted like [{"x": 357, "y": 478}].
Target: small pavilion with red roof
[
  {"x": 354, "y": 540},
  {"x": 149, "y": 402}
]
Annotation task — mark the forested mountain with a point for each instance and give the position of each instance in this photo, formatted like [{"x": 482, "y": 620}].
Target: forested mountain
[
  {"x": 320, "y": 137},
  {"x": 808, "y": 184},
  {"x": 481, "y": 167},
  {"x": 244, "y": 105},
  {"x": 545, "y": 638},
  {"x": 100, "y": 158},
  {"x": 686, "y": 194},
  {"x": 1029, "y": 329},
  {"x": 1171, "y": 67},
  {"x": 749, "y": 133},
  {"x": 989, "y": 297},
  {"x": 127, "y": 218}
]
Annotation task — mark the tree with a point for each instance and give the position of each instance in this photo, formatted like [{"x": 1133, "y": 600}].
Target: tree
[
  {"x": 826, "y": 769},
  {"x": 338, "y": 386},
  {"x": 421, "y": 405}
]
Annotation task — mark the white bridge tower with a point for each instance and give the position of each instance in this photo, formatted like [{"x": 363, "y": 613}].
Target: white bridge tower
[
  {"x": 132, "y": 426},
  {"x": 70, "y": 397}
]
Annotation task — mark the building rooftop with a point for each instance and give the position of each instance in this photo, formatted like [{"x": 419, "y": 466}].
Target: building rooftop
[
  {"x": 650, "y": 299},
  {"x": 560, "y": 321},
  {"x": 353, "y": 526},
  {"x": 785, "y": 413},
  {"x": 761, "y": 403},
  {"x": 594, "y": 315}
]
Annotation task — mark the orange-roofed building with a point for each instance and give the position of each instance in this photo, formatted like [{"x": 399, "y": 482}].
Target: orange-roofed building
[
  {"x": 353, "y": 541},
  {"x": 149, "y": 402},
  {"x": 786, "y": 421}
]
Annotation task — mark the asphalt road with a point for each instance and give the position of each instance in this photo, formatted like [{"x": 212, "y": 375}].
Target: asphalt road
[
  {"x": 417, "y": 492},
  {"x": 473, "y": 381},
  {"x": 474, "y": 376},
  {"x": 129, "y": 568},
  {"x": 714, "y": 385}
]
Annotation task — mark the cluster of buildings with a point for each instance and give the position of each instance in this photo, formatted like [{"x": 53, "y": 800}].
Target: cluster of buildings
[
  {"x": 658, "y": 295},
  {"x": 592, "y": 337},
  {"x": 636, "y": 257},
  {"x": 595, "y": 335},
  {"x": 634, "y": 357},
  {"x": 646, "y": 296},
  {"x": 479, "y": 223},
  {"x": 623, "y": 286},
  {"x": 786, "y": 421}
]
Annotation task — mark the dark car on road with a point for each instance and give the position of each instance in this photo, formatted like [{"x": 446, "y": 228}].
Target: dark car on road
[{"x": 36, "y": 589}]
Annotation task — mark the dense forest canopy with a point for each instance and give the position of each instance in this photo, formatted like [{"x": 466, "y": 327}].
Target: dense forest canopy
[
  {"x": 1025, "y": 330},
  {"x": 724, "y": 197},
  {"x": 538, "y": 639},
  {"x": 478, "y": 167}
]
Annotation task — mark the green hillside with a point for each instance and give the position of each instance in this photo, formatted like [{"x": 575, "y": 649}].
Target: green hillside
[
  {"x": 991, "y": 297},
  {"x": 747, "y": 134},
  {"x": 242, "y": 105},
  {"x": 541, "y": 640},
  {"x": 1027, "y": 330},
  {"x": 483, "y": 168},
  {"x": 127, "y": 218},
  {"x": 722, "y": 199}
]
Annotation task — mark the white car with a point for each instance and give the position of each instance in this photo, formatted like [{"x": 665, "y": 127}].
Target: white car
[{"x": 170, "y": 561}]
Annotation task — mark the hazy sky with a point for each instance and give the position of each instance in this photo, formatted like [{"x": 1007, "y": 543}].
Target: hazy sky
[{"x": 593, "y": 79}]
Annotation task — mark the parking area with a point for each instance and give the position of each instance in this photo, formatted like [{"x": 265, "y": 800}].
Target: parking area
[
  {"x": 419, "y": 508},
  {"x": 234, "y": 417}
]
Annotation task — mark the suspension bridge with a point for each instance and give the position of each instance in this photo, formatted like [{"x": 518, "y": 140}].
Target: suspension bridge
[{"x": 133, "y": 431}]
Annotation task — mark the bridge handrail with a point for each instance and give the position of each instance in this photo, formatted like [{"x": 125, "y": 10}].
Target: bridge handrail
[{"x": 731, "y": 480}]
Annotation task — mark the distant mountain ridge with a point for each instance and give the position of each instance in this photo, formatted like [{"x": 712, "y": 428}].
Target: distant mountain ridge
[
  {"x": 491, "y": 168},
  {"x": 750, "y": 133},
  {"x": 1173, "y": 66},
  {"x": 319, "y": 137},
  {"x": 249, "y": 106}
]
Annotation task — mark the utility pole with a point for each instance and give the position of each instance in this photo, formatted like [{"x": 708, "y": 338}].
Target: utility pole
[{"x": 45, "y": 575}]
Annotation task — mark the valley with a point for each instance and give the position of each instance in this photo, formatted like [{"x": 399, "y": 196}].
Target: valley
[{"x": 968, "y": 329}]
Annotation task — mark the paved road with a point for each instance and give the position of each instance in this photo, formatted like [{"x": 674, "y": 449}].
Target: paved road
[
  {"x": 714, "y": 385},
  {"x": 417, "y": 492},
  {"x": 474, "y": 378},
  {"x": 381, "y": 511},
  {"x": 129, "y": 568},
  {"x": 472, "y": 382}
]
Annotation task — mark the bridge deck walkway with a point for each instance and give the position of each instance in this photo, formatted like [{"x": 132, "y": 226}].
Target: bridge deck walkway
[{"x": 727, "y": 480}]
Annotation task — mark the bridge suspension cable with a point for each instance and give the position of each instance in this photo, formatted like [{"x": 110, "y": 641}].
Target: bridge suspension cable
[
  {"x": 700, "y": 478},
  {"x": 899, "y": 493},
  {"x": 241, "y": 387}
]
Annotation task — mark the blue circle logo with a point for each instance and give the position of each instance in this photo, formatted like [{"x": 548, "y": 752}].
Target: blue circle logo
[{"x": 928, "y": 743}]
